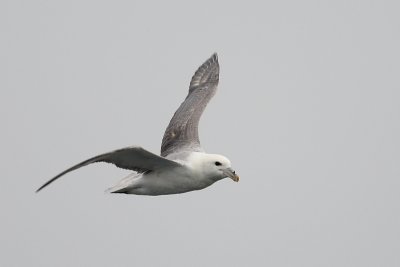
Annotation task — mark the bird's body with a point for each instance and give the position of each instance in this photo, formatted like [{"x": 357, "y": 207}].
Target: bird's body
[
  {"x": 183, "y": 165},
  {"x": 191, "y": 175}
]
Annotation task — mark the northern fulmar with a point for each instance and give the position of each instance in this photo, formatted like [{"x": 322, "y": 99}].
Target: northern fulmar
[{"x": 183, "y": 165}]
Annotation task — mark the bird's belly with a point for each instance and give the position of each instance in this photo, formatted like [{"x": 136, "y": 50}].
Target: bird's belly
[{"x": 166, "y": 183}]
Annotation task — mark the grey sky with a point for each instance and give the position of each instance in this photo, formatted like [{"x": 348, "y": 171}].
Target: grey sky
[{"x": 307, "y": 111}]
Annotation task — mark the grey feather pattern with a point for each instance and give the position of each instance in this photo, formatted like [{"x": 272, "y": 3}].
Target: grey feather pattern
[
  {"x": 182, "y": 131},
  {"x": 131, "y": 158}
]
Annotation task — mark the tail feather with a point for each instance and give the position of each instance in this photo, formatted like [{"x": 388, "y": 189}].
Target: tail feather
[{"x": 125, "y": 184}]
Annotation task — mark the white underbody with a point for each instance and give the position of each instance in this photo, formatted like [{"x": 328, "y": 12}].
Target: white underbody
[{"x": 189, "y": 176}]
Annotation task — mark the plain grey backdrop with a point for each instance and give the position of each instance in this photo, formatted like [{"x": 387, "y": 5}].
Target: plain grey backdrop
[{"x": 307, "y": 111}]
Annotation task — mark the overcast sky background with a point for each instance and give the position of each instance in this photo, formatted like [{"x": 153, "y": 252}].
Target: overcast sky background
[{"x": 307, "y": 111}]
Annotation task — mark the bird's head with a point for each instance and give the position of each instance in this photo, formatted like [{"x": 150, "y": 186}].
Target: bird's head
[{"x": 217, "y": 166}]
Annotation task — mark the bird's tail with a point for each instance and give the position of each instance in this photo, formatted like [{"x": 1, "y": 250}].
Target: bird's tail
[{"x": 124, "y": 185}]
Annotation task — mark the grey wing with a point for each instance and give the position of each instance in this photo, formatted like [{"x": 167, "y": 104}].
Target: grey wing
[
  {"x": 182, "y": 131},
  {"x": 130, "y": 158}
]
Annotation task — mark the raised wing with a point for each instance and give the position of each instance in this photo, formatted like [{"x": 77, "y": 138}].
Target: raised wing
[
  {"x": 182, "y": 131},
  {"x": 130, "y": 158}
]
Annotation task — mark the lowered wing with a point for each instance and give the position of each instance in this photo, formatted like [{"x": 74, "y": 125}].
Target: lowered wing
[{"x": 130, "y": 158}]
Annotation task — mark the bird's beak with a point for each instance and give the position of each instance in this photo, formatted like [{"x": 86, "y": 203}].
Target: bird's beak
[{"x": 231, "y": 174}]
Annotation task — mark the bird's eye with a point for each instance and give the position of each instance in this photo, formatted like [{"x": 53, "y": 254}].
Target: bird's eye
[{"x": 217, "y": 163}]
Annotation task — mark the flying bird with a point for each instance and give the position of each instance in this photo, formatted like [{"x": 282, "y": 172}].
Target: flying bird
[{"x": 183, "y": 165}]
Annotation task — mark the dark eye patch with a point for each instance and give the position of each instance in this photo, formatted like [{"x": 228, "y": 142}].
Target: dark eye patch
[{"x": 217, "y": 163}]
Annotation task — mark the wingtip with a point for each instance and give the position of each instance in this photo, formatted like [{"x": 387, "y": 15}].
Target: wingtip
[
  {"x": 47, "y": 183},
  {"x": 215, "y": 56},
  {"x": 40, "y": 188},
  {"x": 213, "y": 59},
  {"x": 207, "y": 72}
]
